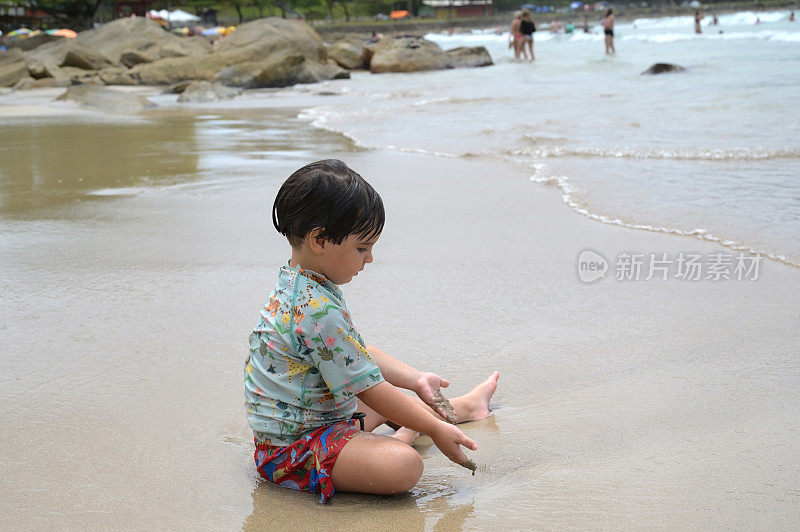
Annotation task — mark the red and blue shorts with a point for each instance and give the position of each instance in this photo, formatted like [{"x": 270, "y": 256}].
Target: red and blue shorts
[{"x": 306, "y": 464}]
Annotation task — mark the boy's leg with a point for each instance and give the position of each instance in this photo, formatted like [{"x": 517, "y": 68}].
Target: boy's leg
[{"x": 371, "y": 463}]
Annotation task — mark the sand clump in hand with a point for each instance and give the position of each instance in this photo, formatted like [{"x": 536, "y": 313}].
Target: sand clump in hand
[
  {"x": 471, "y": 465},
  {"x": 440, "y": 401}
]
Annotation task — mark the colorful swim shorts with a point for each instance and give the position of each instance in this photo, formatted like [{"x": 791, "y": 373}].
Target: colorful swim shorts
[{"x": 306, "y": 464}]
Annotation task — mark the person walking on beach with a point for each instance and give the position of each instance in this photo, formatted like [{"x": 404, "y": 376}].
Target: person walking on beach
[
  {"x": 515, "y": 38},
  {"x": 698, "y": 16},
  {"x": 608, "y": 30},
  {"x": 309, "y": 371},
  {"x": 527, "y": 28}
]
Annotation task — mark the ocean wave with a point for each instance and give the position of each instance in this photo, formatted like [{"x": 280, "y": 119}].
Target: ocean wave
[
  {"x": 741, "y": 18},
  {"x": 709, "y": 154},
  {"x": 660, "y": 38}
]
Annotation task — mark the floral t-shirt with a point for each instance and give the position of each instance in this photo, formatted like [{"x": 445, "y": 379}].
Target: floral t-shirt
[{"x": 307, "y": 361}]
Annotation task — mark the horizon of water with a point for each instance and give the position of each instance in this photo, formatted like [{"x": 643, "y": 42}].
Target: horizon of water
[{"x": 712, "y": 152}]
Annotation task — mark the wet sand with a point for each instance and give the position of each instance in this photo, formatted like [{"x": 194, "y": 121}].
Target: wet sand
[{"x": 649, "y": 404}]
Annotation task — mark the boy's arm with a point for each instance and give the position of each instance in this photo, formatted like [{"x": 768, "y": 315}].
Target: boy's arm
[
  {"x": 390, "y": 402},
  {"x": 425, "y": 385}
]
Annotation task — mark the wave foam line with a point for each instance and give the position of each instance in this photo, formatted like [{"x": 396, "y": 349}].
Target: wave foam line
[{"x": 562, "y": 182}]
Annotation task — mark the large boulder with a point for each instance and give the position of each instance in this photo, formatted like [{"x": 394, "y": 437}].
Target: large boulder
[
  {"x": 205, "y": 91},
  {"x": 46, "y": 83},
  {"x": 469, "y": 57},
  {"x": 279, "y": 70},
  {"x": 143, "y": 35},
  {"x": 104, "y": 99},
  {"x": 12, "y": 67},
  {"x": 401, "y": 53},
  {"x": 106, "y": 44},
  {"x": 34, "y": 41},
  {"x": 80, "y": 56},
  {"x": 660, "y": 68},
  {"x": 258, "y": 39},
  {"x": 350, "y": 53},
  {"x": 174, "y": 69}
]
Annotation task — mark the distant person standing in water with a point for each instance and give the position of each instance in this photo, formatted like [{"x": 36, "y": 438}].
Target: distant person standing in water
[
  {"x": 791, "y": 17},
  {"x": 527, "y": 27},
  {"x": 698, "y": 16},
  {"x": 515, "y": 37},
  {"x": 714, "y": 19},
  {"x": 608, "y": 29}
]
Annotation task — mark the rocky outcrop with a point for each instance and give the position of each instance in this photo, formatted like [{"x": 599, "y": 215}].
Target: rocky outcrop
[
  {"x": 12, "y": 67},
  {"x": 350, "y": 53},
  {"x": 279, "y": 70},
  {"x": 400, "y": 53},
  {"x": 30, "y": 83},
  {"x": 660, "y": 68},
  {"x": 34, "y": 41},
  {"x": 104, "y": 99},
  {"x": 469, "y": 57},
  {"x": 204, "y": 92},
  {"x": 79, "y": 56}
]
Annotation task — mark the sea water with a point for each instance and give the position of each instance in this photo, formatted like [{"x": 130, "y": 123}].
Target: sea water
[{"x": 711, "y": 152}]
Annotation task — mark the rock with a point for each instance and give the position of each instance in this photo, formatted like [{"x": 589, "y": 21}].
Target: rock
[
  {"x": 13, "y": 67},
  {"x": 258, "y": 39},
  {"x": 31, "y": 83},
  {"x": 175, "y": 69},
  {"x": 469, "y": 57},
  {"x": 142, "y": 35},
  {"x": 79, "y": 56},
  {"x": 279, "y": 70},
  {"x": 350, "y": 53},
  {"x": 178, "y": 88},
  {"x": 660, "y": 68},
  {"x": 136, "y": 57},
  {"x": 400, "y": 53},
  {"x": 29, "y": 43},
  {"x": 117, "y": 76},
  {"x": 104, "y": 99},
  {"x": 206, "y": 91}
]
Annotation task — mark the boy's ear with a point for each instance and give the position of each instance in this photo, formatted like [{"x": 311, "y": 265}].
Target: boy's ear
[{"x": 315, "y": 243}]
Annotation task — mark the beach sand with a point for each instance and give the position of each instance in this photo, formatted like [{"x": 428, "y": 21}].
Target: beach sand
[{"x": 642, "y": 404}]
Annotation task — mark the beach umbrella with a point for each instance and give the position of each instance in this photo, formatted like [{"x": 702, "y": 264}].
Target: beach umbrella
[
  {"x": 19, "y": 32},
  {"x": 398, "y": 14},
  {"x": 64, "y": 32},
  {"x": 576, "y": 5},
  {"x": 529, "y": 7}
]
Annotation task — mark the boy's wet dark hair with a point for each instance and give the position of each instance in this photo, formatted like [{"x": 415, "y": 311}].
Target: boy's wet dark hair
[{"x": 327, "y": 195}]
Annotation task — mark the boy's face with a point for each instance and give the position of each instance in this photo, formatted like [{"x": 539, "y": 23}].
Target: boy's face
[{"x": 342, "y": 262}]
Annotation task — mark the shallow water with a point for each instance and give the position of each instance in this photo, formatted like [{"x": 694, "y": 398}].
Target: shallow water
[{"x": 711, "y": 152}]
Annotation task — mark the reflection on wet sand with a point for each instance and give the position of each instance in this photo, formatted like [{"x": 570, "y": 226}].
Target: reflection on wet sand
[{"x": 46, "y": 164}]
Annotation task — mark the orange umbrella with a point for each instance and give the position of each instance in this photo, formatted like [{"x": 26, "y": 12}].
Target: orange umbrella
[
  {"x": 398, "y": 14},
  {"x": 69, "y": 34}
]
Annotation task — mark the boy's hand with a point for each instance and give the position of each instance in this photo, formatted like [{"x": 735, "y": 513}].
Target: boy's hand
[
  {"x": 427, "y": 386},
  {"x": 449, "y": 439}
]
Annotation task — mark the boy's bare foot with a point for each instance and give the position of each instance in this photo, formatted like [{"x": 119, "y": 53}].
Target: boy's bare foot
[
  {"x": 474, "y": 405},
  {"x": 406, "y": 435}
]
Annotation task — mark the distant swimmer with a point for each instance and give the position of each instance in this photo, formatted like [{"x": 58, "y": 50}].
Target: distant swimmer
[
  {"x": 714, "y": 19},
  {"x": 698, "y": 16},
  {"x": 608, "y": 29},
  {"x": 791, "y": 17},
  {"x": 758, "y": 20},
  {"x": 555, "y": 26}
]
